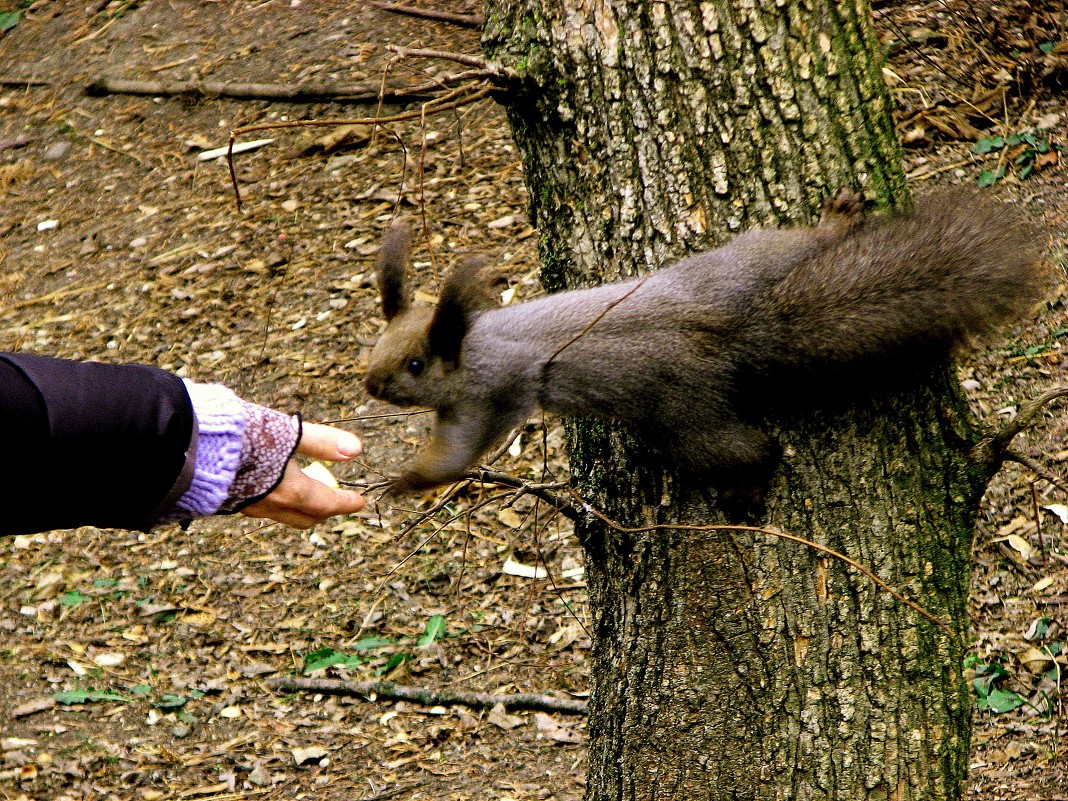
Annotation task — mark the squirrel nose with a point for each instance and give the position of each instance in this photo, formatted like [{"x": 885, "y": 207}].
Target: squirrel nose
[{"x": 374, "y": 385}]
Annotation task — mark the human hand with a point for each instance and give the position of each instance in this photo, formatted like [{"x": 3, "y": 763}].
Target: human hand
[{"x": 301, "y": 501}]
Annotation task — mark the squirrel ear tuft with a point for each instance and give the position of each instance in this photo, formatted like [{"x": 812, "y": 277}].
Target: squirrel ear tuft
[
  {"x": 391, "y": 270},
  {"x": 467, "y": 289}
]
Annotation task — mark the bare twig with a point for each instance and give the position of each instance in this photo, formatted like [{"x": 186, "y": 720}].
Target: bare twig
[
  {"x": 107, "y": 146},
  {"x": 546, "y": 492},
  {"x": 433, "y": 534},
  {"x": 476, "y": 94},
  {"x": 52, "y": 296},
  {"x": 428, "y": 696},
  {"x": 393, "y": 792},
  {"x": 780, "y": 534},
  {"x": 1038, "y": 523},
  {"x": 463, "y": 20},
  {"x": 640, "y": 283}
]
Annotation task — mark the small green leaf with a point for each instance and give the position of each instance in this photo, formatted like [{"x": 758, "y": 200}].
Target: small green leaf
[
  {"x": 9, "y": 19},
  {"x": 1046, "y": 47},
  {"x": 71, "y": 598},
  {"x": 394, "y": 661},
  {"x": 105, "y": 583},
  {"x": 989, "y": 177},
  {"x": 89, "y": 696},
  {"x": 372, "y": 643},
  {"x": 170, "y": 701},
  {"x": 1001, "y": 701},
  {"x": 327, "y": 657},
  {"x": 1026, "y": 171},
  {"x": 988, "y": 145},
  {"x": 434, "y": 630},
  {"x": 141, "y": 689}
]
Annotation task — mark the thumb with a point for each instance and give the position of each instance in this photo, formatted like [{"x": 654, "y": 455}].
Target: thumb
[{"x": 326, "y": 442}]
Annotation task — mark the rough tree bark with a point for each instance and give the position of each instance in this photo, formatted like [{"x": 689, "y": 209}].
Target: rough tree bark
[{"x": 730, "y": 665}]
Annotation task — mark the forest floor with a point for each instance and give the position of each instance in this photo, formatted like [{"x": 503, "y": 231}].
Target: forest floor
[{"x": 137, "y": 666}]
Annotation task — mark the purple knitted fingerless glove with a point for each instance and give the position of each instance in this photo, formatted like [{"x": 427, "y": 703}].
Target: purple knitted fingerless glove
[
  {"x": 241, "y": 452},
  {"x": 270, "y": 440}
]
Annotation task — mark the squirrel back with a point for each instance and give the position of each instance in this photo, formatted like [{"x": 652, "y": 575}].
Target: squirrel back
[{"x": 679, "y": 353}]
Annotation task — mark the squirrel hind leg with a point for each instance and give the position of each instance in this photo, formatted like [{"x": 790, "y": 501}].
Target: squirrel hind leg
[
  {"x": 841, "y": 213},
  {"x": 739, "y": 460}
]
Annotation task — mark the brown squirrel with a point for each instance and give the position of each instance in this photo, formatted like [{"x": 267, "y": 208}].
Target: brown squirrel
[{"x": 681, "y": 352}]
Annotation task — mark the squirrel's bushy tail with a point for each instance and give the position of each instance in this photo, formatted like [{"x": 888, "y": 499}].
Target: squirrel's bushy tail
[{"x": 909, "y": 286}]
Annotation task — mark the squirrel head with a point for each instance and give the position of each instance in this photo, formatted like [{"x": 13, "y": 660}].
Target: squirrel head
[{"x": 416, "y": 358}]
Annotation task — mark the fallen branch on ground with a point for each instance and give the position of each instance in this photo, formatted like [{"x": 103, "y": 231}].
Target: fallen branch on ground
[
  {"x": 429, "y": 697},
  {"x": 22, "y": 83},
  {"x": 279, "y": 92}
]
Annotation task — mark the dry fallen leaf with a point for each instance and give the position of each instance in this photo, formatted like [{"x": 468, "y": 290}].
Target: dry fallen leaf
[
  {"x": 513, "y": 568},
  {"x": 1060, "y": 510},
  {"x": 501, "y": 719},
  {"x": 1018, "y": 548},
  {"x": 556, "y": 732},
  {"x": 311, "y": 754},
  {"x": 1043, "y": 584}
]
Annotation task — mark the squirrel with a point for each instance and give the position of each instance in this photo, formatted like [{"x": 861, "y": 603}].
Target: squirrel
[{"x": 680, "y": 353}]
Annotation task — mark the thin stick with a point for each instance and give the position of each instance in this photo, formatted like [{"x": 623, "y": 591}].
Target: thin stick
[
  {"x": 433, "y": 534},
  {"x": 59, "y": 293},
  {"x": 595, "y": 320},
  {"x": 472, "y": 97},
  {"x": 19, "y": 83},
  {"x": 1038, "y": 523},
  {"x": 546, "y": 492},
  {"x": 781, "y": 535}
]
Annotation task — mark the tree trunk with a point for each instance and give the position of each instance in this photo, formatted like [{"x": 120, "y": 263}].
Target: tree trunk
[{"x": 732, "y": 665}]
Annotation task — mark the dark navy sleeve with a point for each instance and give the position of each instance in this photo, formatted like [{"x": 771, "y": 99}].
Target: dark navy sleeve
[{"x": 90, "y": 444}]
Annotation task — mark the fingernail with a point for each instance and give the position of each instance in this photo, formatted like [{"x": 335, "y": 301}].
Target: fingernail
[{"x": 348, "y": 445}]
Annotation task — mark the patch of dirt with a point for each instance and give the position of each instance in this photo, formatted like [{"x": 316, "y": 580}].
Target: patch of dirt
[{"x": 116, "y": 243}]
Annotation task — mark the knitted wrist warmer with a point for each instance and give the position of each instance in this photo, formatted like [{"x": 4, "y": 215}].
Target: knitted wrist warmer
[
  {"x": 270, "y": 440},
  {"x": 241, "y": 453}
]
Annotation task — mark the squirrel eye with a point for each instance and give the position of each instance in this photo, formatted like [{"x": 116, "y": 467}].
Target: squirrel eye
[{"x": 416, "y": 366}]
